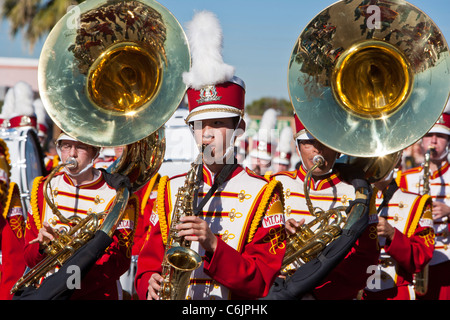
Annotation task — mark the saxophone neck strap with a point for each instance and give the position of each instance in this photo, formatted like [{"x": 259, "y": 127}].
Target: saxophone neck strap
[{"x": 224, "y": 173}]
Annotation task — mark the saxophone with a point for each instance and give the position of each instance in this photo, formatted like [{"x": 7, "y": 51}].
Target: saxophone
[
  {"x": 179, "y": 260},
  {"x": 420, "y": 279}
]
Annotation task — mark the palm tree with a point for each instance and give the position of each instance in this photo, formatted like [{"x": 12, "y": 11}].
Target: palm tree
[{"x": 34, "y": 17}]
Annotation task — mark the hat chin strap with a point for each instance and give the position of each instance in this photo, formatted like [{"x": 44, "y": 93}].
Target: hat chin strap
[
  {"x": 444, "y": 154},
  {"x": 90, "y": 165}
]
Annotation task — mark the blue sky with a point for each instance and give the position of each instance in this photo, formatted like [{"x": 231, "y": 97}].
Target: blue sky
[{"x": 258, "y": 35}]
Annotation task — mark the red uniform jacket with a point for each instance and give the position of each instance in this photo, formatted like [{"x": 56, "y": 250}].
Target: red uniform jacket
[
  {"x": 247, "y": 258},
  {"x": 147, "y": 197},
  {"x": 349, "y": 276},
  {"x": 101, "y": 281},
  {"x": 12, "y": 229}
]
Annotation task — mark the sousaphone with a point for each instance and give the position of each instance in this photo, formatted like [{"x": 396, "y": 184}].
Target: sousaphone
[
  {"x": 369, "y": 78},
  {"x": 110, "y": 75}
]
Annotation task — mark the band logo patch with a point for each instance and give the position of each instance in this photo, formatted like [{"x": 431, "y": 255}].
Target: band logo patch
[{"x": 273, "y": 220}]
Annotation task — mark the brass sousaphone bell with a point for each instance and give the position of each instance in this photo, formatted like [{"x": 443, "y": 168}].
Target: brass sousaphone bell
[
  {"x": 110, "y": 71},
  {"x": 378, "y": 71},
  {"x": 366, "y": 79},
  {"x": 110, "y": 75}
]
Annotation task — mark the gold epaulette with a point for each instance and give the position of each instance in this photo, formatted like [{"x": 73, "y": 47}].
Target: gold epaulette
[
  {"x": 262, "y": 208},
  {"x": 34, "y": 202},
  {"x": 7, "y": 156},
  {"x": 160, "y": 207},
  {"x": 12, "y": 187},
  {"x": 148, "y": 191},
  {"x": 424, "y": 201}
]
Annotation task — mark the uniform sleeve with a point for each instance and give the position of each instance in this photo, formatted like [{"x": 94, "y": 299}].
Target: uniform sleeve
[
  {"x": 149, "y": 262},
  {"x": 414, "y": 251},
  {"x": 152, "y": 252},
  {"x": 249, "y": 274}
]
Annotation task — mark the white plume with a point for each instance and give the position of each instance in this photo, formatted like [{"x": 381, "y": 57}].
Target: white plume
[
  {"x": 205, "y": 41},
  {"x": 23, "y": 99},
  {"x": 18, "y": 101},
  {"x": 284, "y": 144},
  {"x": 8, "y": 104},
  {"x": 267, "y": 125}
]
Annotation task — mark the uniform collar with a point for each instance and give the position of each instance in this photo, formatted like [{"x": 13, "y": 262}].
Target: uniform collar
[
  {"x": 326, "y": 181},
  {"x": 208, "y": 176},
  {"x": 94, "y": 184},
  {"x": 440, "y": 171}
]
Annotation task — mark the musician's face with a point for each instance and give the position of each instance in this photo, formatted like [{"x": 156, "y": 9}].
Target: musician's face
[
  {"x": 215, "y": 135},
  {"x": 438, "y": 141},
  {"x": 82, "y": 152},
  {"x": 310, "y": 148}
]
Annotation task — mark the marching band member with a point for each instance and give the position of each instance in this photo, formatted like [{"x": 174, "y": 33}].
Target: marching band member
[
  {"x": 78, "y": 191},
  {"x": 147, "y": 197},
  {"x": 406, "y": 237},
  {"x": 12, "y": 228},
  {"x": 283, "y": 153},
  {"x": 264, "y": 144},
  {"x": 238, "y": 229},
  {"x": 328, "y": 190},
  {"x": 42, "y": 121},
  {"x": 51, "y": 158},
  {"x": 412, "y": 180},
  {"x": 243, "y": 145}
]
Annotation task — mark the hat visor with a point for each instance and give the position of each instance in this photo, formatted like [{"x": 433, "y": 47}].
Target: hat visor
[
  {"x": 281, "y": 161},
  {"x": 213, "y": 111},
  {"x": 260, "y": 155},
  {"x": 304, "y": 135},
  {"x": 65, "y": 137},
  {"x": 440, "y": 129}
]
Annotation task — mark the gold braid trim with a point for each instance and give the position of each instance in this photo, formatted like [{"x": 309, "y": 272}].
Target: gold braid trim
[
  {"x": 423, "y": 202},
  {"x": 12, "y": 186},
  {"x": 161, "y": 208},
  {"x": 34, "y": 201},
  {"x": 149, "y": 190},
  {"x": 262, "y": 208},
  {"x": 126, "y": 238},
  {"x": 7, "y": 157}
]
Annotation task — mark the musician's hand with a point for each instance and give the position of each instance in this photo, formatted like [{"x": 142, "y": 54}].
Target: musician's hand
[
  {"x": 384, "y": 229},
  {"x": 196, "y": 229},
  {"x": 154, "y": 284},
  {"x": 46, "y": 234},
  {"x": 292, "y": 225},
  {"x": 440, "y": 210}
]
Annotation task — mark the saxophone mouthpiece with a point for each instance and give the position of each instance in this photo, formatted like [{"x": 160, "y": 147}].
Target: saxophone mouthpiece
[{"x": 71, "y": 162}]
